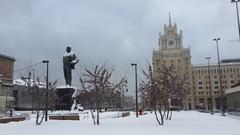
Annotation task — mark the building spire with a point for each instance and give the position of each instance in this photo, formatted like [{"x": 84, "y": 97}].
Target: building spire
[{"x": 170, "y": 24}]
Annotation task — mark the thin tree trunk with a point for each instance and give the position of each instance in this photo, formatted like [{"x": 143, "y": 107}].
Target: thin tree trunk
[
  {"x": 170, "y": 115},
  {"x": 37, "y": 116},
  {"x": 164, "y": 113},
  {"x": 93, "y": 117},
  {"x": 161, "y": 114},
  {"x": 43, "y": 114},
  {"x": 155, "y": 112},
  {"x": 167, "y": 114},
  {"x": 39, "y": 122},
  {"x": 98, "y": 116}
]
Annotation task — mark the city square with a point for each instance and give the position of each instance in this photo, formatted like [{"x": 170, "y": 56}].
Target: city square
[{"x": 119, "y": 67}]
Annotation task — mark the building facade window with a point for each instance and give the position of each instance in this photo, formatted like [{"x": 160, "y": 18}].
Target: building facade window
[
  {"x": 231, "y": 83},
  {"x": 200, "y": 85},
  {"x": 215, "y": 85}
]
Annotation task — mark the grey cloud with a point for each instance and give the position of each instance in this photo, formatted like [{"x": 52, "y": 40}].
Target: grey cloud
[{"x": 117, "y": 32}]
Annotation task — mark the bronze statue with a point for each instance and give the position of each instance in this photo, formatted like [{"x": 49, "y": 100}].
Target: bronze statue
[{"x": 69, "y": 61}]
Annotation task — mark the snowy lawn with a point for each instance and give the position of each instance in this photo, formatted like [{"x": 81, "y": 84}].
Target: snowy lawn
[{"x": 182, "y": 123}]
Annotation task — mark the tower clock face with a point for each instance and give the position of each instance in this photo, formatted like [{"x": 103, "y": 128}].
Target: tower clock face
[{"x": 170, "y": 43}]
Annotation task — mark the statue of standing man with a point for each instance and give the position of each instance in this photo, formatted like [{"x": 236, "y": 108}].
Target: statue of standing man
[{"x": 69, "y": 61}]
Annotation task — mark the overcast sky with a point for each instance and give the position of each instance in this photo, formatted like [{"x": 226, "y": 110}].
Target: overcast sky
[{"x": 115, "y": 32}]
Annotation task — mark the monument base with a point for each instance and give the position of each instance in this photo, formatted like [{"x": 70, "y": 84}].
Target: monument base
[
  {"x": 66, "y": 97},
  {"x": 64, "y": 117}
]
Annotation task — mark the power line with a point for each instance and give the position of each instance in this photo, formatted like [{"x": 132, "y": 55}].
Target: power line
[{"x": 27, "y": 67}]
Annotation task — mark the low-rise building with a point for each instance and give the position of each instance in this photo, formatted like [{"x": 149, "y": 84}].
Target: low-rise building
[
  {"x": 204, "y": 91},
  {"x": 25, "y": 96},
  {"x": 6, "y": 81},
  {"x": 233, "y": 99},
  {"x": 22, "y": 95}
]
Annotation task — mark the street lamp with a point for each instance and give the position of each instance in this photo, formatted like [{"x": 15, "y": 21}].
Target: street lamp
[
  {"x": 236, "y": 1},
  {"x": 134, "y": 64},
  {"x": 210, "y": 86},
  {"x": 220, "y": 78},
  {"x": 46, "y": 106}
]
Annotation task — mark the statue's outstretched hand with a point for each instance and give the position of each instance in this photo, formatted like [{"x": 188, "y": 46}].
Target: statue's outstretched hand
[{"x": 75, "y": 61}]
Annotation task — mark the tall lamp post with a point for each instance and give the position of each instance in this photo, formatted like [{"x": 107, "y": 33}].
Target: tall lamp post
[
  {"x": 236, "y": 1},
  {"x": 220, "y": 78},
  {"x": 46, "y": 106},
  {"x": 210, "y": 86},
  {"x": 134, "y": 64}
]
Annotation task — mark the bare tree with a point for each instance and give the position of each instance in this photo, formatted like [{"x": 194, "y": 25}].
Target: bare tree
[
  {"x": 39, "y": 98},
  {"x": 38, "y": 92},
  {"x": 97, "y": 81},
  {"x": 159, "y": 89}
]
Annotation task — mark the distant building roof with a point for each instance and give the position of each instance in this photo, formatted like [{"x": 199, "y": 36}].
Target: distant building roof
[
  {"x": 25, "y": 83},
  {"x": 224, "y": 62},
  {"x": 7, "y": 57},
  {"x": 232, "y": 90},
  {"x": 216, "y": 65},
  {"x": 235, "y": 85},
  {"x": 230, "y": 60}
]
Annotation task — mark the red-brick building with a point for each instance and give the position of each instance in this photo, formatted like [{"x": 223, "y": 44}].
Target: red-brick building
[{"x": 6, "y": 81}]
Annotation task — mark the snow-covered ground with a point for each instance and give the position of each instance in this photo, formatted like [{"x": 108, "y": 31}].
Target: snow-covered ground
[{"x": 182, "y": 123}]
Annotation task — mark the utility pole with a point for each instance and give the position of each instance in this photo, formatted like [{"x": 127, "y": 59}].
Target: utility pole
[
  {"x": 236, "y": 1},
  {"x": 134, "y": 64},
  {"x": 46, "y": 106},
  {"x": 220, "y": 78},
  {"x": 33, "y": 89},
  {"x": 30, "y": 83}
]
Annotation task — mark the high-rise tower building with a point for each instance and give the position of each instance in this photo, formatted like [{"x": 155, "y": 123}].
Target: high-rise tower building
[{"x": 171, "y": 52}]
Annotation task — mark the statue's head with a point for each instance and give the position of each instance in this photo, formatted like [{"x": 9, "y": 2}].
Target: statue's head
[{"x": 68, "y": 49}]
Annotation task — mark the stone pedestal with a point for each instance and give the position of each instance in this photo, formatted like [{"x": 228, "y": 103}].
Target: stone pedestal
[{"x": 66, "y": 96}]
